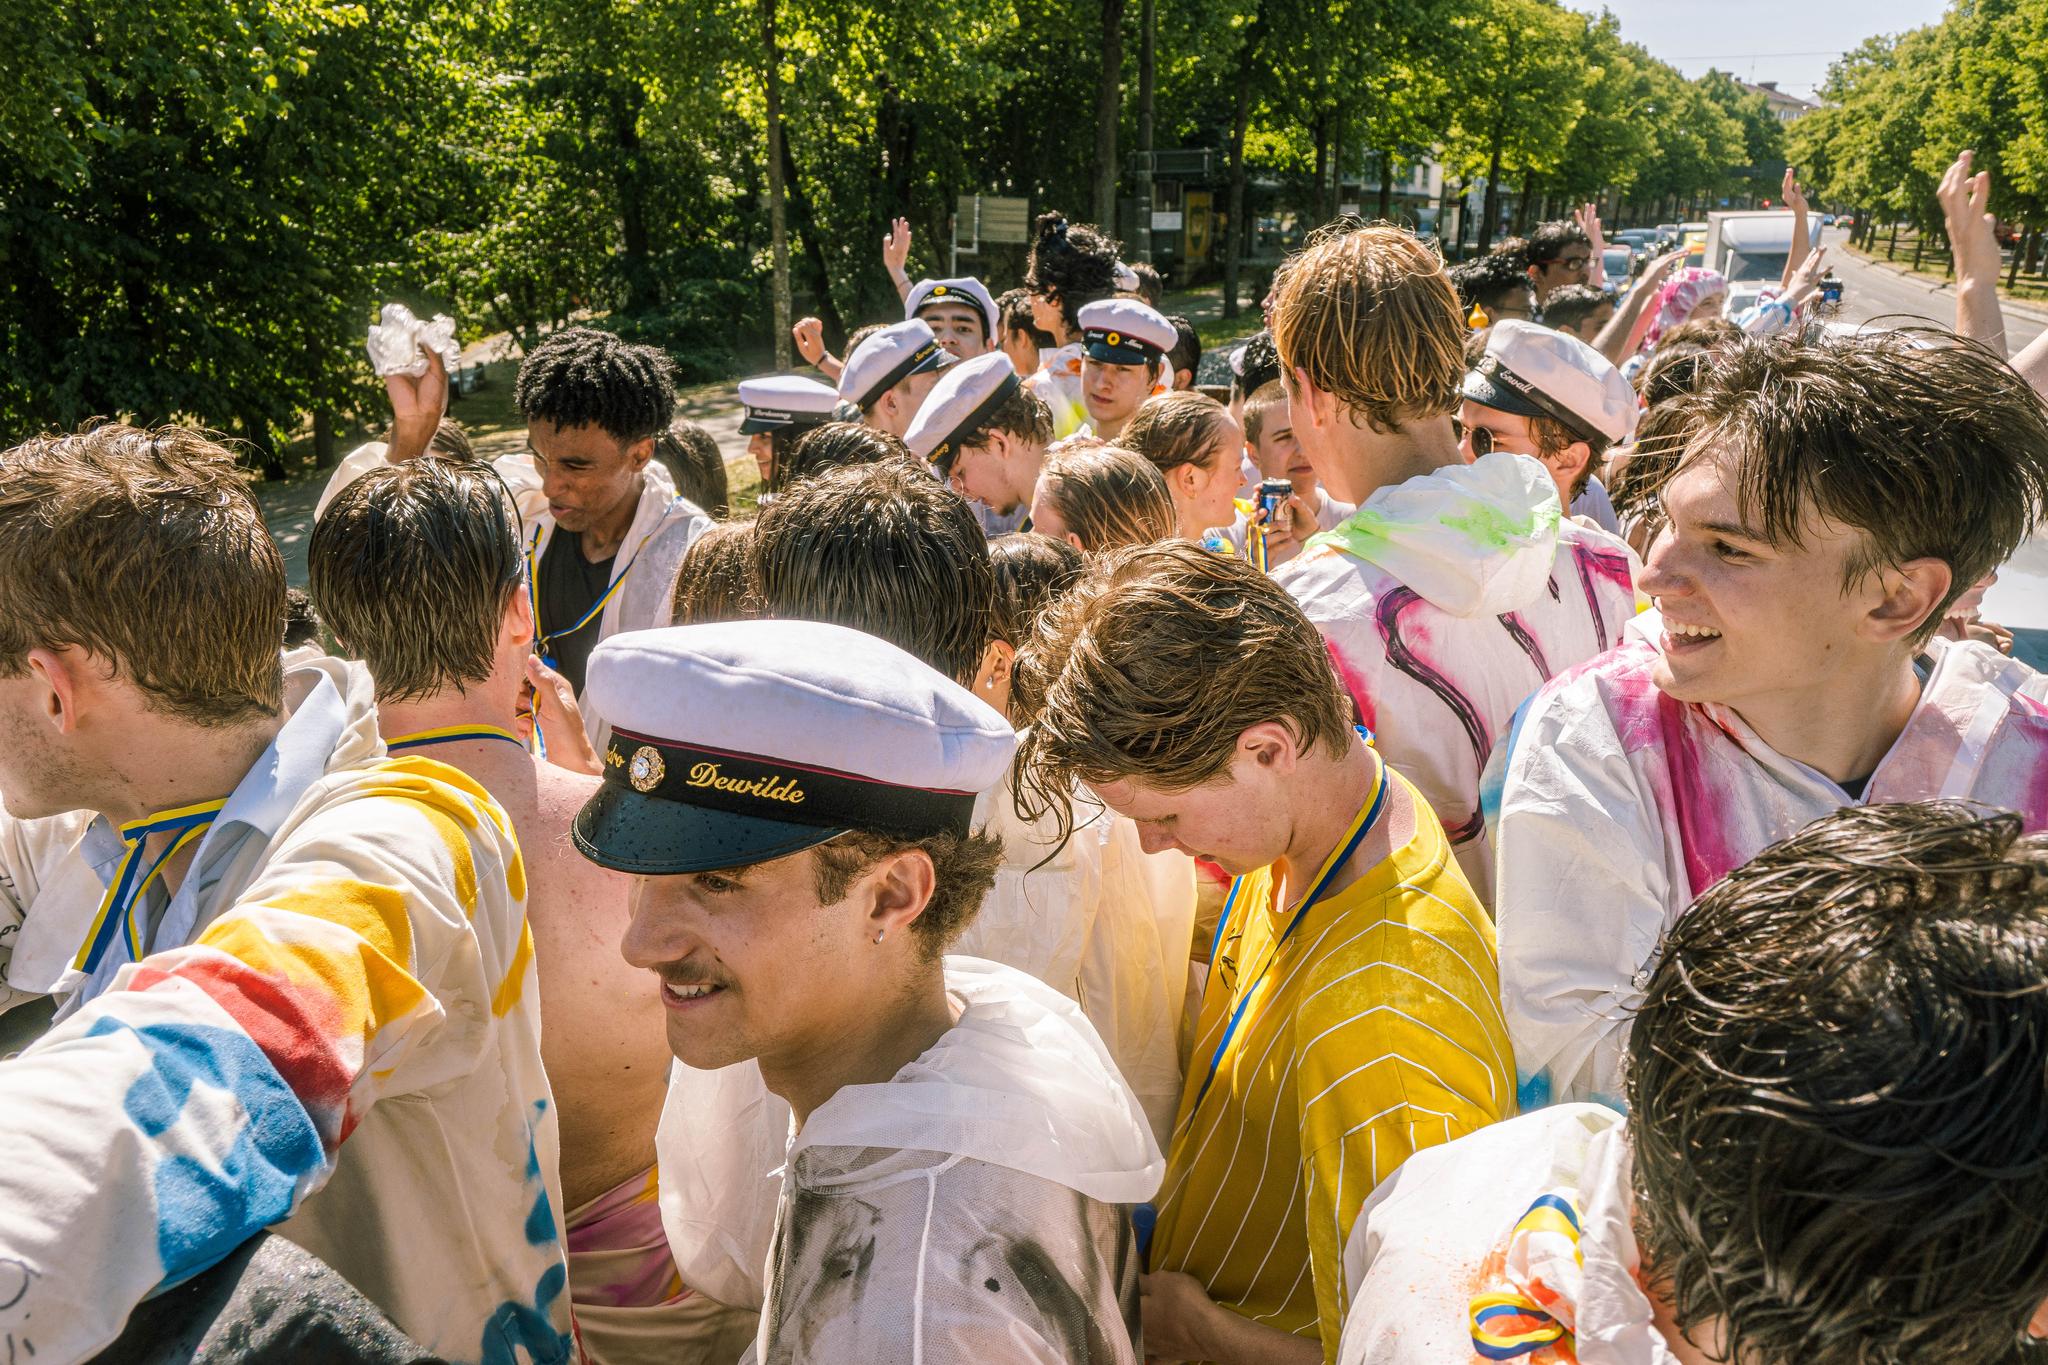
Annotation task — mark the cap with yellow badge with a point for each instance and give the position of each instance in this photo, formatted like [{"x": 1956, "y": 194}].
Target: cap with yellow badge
[
  {"x": 968, "y": 293},
  {"x": 1125, "y": 332},
  {"x": 750, "y": 740}
]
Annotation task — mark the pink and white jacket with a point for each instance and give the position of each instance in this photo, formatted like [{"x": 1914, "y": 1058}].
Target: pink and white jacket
[
  {"x": 1444, "y": 602},
  {"x": 1619, "y": 805}
]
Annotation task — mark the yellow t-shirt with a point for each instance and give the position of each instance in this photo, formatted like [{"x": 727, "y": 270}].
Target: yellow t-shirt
[{"x": 1376, "y": 1032}]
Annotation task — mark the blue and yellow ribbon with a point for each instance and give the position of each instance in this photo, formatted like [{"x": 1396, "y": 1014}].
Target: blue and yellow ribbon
[
  {"x": 1507, "y": 1324},
  {"x": 544, "y": 638},
  {"x": 451, "y": 734},
  {"x": 131, "y": 881}
]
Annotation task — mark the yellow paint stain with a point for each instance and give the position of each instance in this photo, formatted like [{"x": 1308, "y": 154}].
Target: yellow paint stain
[
  {"x": 513, "y": 986},
  {"x": 417, "y": 779},
  {"x": 369, "y": 980}
]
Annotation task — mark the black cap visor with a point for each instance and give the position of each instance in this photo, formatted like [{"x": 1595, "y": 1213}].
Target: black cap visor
[
  {"x": 1489, "y": 392},
  {"x": 630, "y": 831}
]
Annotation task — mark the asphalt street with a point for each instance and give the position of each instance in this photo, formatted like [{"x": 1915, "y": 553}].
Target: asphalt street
[{"x": 1872, "y": 293}]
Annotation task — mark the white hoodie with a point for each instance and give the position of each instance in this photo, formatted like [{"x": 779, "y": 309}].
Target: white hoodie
[
  {"x": 972, "y": 1207},
  {"x": 1445, "y": 601}
]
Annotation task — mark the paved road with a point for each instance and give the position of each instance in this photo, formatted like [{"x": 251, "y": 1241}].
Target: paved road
[{"x": 1873, "y": 293}]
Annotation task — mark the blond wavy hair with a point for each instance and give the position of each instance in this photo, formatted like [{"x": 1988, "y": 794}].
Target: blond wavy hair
[
  {"x": 1369, "y": 313},
  {"x": 1107, "y": 496}
]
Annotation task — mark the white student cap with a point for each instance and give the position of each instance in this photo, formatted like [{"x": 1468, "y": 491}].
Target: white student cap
[
  {"x": 785, "y": 400},
  {"x": 1533, "y": 371},
  {"x": 1125, "y": 332},
  {"x": 969, "y": 292},
  {"x": 958, "y": 407},
  {"x": 886, "y": 359},
  {"x": 744, "y": 741}
]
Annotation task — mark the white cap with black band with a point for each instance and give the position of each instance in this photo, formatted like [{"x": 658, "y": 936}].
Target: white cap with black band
[
  {"x": 959, "y": 406},
  {"x": 887, "y": 358}
]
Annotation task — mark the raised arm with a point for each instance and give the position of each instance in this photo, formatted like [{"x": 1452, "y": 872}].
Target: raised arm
[
  {"x": 1588, "y": 218},
  {"x": 895, "y": 252},
  {"x": 1973, "y": 238},
  {"x": 1624, "y": 331},
  {"x": 1802, "y": 231}
]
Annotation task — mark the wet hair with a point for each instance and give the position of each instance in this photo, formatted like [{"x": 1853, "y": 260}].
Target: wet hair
[
  {"x": 1107, "y": 496},
  {"x": 1257, "y": 365},
  {"x": 1488, "y": 281},
  {"x": 1683, "y": 357},
  {"x": 582, "y": 377},
  {"x": 1573, "y": 304},
  {"x": 451, "y": 439},
  {"x": 883, "y": 548},
  {"x": 1071, "y": 265},
  {"x": 1031, "y": 570},
  {"x": 1512, "y": 252},
  {"x": 1927, "y": 443},
  {"x": 1177, "y": 428},
  {"x": 1368, "y": 313},
  {"x": 1126, "y": 665},
  {"x": 301, "y": 622},
  {"x": 1014, "y": 308},
  {"x": 1836, "y": 1111},
  {"x": 144, "y": 548},
  {"x": 963, "y": 870},
  {"x": 692, "y": 458},
  {"x": 714, "y": 582},
  {"x": 1187, "y": 348},
  {"x": 1635, "y": 486},
  {"x": 1263, "y": 400},
  {"x": 1023, "y": 415},
  {"x": 412, "y": 567},
  {"x": 835, "y": 445},
  {"x": 1550, "y": 240}
]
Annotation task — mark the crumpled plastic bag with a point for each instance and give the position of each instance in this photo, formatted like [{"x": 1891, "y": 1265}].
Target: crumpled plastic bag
[{"x": 399, "y": 342}]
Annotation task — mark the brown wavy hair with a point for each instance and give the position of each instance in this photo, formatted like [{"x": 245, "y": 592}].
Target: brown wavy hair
[
  {"x": 1177, "y": 428},
  {"x": 1369, "y": 313},
  {"x": 1108, "y": 496}
]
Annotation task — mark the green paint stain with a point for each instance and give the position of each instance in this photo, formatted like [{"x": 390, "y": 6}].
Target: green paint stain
[
  {"x": 1358, "y": 535},
  {"x": 1490, "y": 528}
]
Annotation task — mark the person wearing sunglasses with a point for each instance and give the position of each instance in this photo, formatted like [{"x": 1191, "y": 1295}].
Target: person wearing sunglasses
[
  {"x": 1538, "y": 392},
  {"x": 1560, "y": 253}
]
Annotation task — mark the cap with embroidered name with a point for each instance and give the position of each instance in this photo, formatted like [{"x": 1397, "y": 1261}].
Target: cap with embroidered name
[
  {"x": 1534, "y": 371},
  {"x": 776, "y": 401},
  {"x": 1125, "y": 332},
  {"x": 959, "y": 406},
  {"x": 750, "y": 740},
  {"x": 886, "y": 359},
  {"x": 968, "y": 292}
]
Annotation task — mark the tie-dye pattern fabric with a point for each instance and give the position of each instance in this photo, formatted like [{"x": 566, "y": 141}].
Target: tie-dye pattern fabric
[
  {"x": 1444, "y": 602},
  {"x": 1058, "y": 382},
  {"x": 348, "y": 1049},
  {"x": 1620, "y": 805}
]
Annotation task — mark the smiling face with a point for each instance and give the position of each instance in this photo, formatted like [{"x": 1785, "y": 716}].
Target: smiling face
[
  {"x": 586, "y": 473},
  {"x": 1746, "y": 622},
  {"x": 959, "y": 327},
  {"x": 747, "y": 961},
  {"x": 1113, "y": 392},
  {"x": 761, "y": 445}
]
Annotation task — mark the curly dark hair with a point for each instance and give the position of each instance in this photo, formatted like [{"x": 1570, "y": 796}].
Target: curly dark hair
[
  {"x": 1926, "y": 442},
  {"x": 1256, "y": 365},
  {"x": 1573, "y": 304},
  {"x": 883, "y": 548},
  {"x": 1487, "y": 280},
  {"x": 1836, "y": 1107},
  {"x": 582, "y": 377},
  {"x": 1549, "y": 240},
  {"x": 1014, "y": 307},
  {"x": 1071, "y": 265}
]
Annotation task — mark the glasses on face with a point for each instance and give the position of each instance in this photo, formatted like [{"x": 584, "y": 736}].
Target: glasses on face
[
  {"x": 1573, "y": 265},
  {"x": 1484, "y": 442}
]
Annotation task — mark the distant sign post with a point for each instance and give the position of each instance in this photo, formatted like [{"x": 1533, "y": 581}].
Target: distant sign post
[{"x": 993, "y": 219}]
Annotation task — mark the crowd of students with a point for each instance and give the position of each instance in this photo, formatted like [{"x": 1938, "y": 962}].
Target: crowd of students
[{"x": 1443, "y": 851}]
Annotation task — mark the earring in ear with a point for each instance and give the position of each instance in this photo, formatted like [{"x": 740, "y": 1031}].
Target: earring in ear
[{"x": 881, "y": 934}]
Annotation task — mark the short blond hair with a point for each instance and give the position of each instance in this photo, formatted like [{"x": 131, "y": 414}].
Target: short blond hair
[
  {"x": 1369, "y": 313},
  {"x": 1152, "y": 666},
  {"x": 1108, "y": 496}
]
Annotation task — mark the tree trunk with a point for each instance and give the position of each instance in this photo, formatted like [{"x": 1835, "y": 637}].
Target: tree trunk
[
  {"x": 1233, "y": 227},
  {"x": 1464, "y": 192},
  {"x": 1387, "y": 186},
  {"x": 1919, "y": 245},
  {"x": 806, "y": 231},
  {"x": 1891, "y": 250},
  {"x": 1320, "y": 131},
  {"x": 1525, "y": 204},
  {"x": 1108, "y": 100},
  {"x": 778, "y": 225},
  {"x": 1490, "y": 208},
  {"x": 324, "y": 452},
  {"x": 256, "y": 430},
  {"x": 1337, "y": 165},
  {"x": 1148, "y": 23},
  {"x": 642, "y": 292}
]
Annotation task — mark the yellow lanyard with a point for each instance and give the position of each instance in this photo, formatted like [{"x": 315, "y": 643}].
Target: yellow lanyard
[
  {"x": 451, "y": 734},
  {"x": 543, "y": 643},
  {"x": 117, "y": 908}
]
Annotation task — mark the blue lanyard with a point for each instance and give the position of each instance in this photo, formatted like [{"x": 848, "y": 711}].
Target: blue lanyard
[
  {"x": 452, "y": 734},
  {"x": 1368, "y": 817},
  {"x": 117, "y": 908},
  {"x": 543, "y": 644}
]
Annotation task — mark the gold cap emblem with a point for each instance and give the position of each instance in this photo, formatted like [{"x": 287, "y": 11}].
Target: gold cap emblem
[
  {"x": 1114, "y": 339},
  {"x": 940, "y": 292},
  {"x": 645, "y": 771}
]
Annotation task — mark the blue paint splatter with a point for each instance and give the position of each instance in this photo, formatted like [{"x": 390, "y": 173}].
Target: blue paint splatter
[
  {"x": 530, "y": 1327},
  {"x": 203, "y": 1212}
]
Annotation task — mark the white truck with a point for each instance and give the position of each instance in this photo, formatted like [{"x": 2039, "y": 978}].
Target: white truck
[{"x": 1750, "y": 247}]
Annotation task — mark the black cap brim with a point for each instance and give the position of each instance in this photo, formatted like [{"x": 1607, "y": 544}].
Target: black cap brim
[
  {"x": 1107, "y": 354},
  {"x": 1488, "y": 392},
  {"x": 629, "y": 831},
  {"x": 754, "y": 426}
]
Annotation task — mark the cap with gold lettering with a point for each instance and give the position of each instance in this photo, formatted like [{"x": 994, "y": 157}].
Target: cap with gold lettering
[
  {"x": 965, "y": 293},
  {"x": 744, "y": 741}
]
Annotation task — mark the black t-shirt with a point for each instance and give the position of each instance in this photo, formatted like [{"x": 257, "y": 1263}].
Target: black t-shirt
[{"x": 570, "y": 586}]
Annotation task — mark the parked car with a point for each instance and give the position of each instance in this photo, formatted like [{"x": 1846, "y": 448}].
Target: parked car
[
  {"x": 1642, "y": 239},
  {"x": 1619, "y": 262}
]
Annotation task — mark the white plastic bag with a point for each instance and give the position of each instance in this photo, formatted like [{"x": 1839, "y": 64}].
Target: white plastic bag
[{"x": 399, "y": 342}]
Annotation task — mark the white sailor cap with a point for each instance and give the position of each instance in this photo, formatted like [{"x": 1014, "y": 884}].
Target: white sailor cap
[
  {"x": 1533, "y": 371},
  {"x": 785, "y": 400},
  {"x": 970, "y": 292},
  {"x": 749, "y": 740},
  {"x": 1125, "y": 332},
  {"x": 1127, "y": 278},
  {"x": 958, "y": 407},
  {"x": 886, "y": 359}
]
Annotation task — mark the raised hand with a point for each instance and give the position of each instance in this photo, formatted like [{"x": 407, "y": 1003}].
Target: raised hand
[
  {"x": 1795, "y": 198},
  {"x": 809, "y": 336},
  {"x": 1973, "y": 239},
  {"x": 896, "y": 246},
  {"x": 417, "y": 405},
  {"x": 1805, "y": 281}
]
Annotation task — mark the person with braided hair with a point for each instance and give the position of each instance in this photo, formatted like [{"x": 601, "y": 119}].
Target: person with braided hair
[
  {"x": 1071, "y": 266},
  {"x": 603, "y": 544}
]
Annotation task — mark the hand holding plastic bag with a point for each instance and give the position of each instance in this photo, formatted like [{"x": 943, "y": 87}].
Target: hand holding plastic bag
[{"x": 399, "y": 342}]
